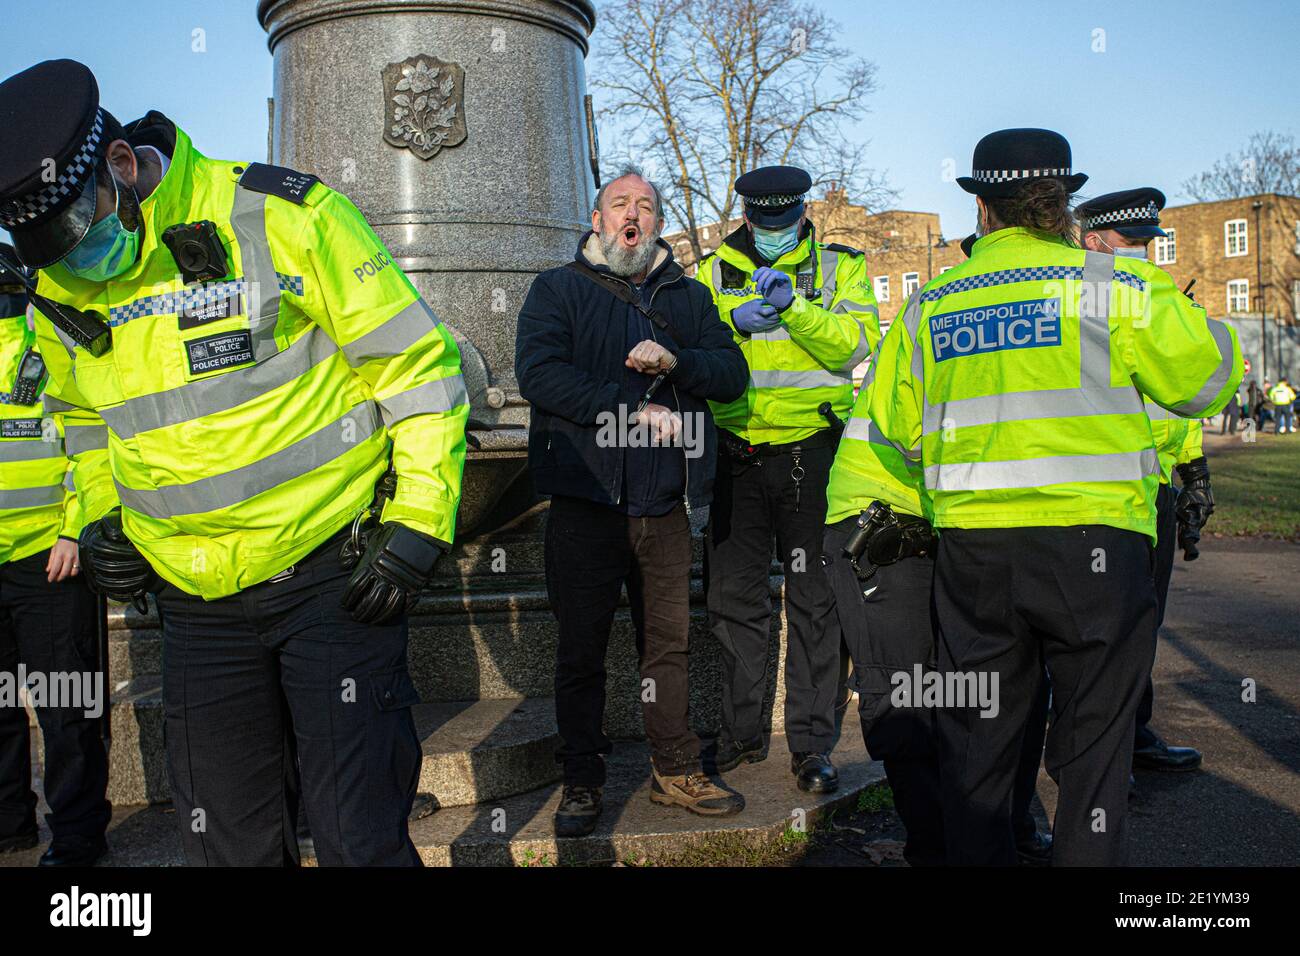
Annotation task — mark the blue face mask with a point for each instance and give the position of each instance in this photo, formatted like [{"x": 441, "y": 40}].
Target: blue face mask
[
  {"x": 107, "y": 250},
  {"x": 772, "y": 244}
]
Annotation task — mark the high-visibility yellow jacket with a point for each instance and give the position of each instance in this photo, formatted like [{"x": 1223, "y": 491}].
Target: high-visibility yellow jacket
[
  {"x": 1281, "y": 394},
  {"x": 1018, "y": 383},
  {"x": 827, "y": 331},
  {"x": 1177, "y": 439},
  {"x": 867, "y": 466},
  {"x": 37, "y": 503},
  {"x": 248, "y": 419}
]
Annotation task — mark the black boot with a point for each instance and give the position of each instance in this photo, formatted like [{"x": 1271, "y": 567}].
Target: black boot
[
  {"x": 1158, "y": 755},
  {"x": 729, "y": 754},
  {"x": 578, "y": 811},
  {"x": 1035, "y": 849},
  {"x": 814, "y": 772},
  {"x": 74, "y": 850},
  {"x": 24, "y": 840}
]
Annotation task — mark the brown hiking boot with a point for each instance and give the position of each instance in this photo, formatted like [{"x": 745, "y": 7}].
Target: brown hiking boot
[
  {"x": 696, "y": 793},
  {"x": 578, "y": 811}
]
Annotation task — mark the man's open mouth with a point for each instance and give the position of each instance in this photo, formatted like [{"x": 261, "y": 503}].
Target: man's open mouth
[{"x": 631, "y": 234}]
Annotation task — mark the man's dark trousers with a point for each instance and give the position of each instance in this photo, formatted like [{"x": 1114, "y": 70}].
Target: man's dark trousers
[
  {"x": 752, "y": 502},
  {"x": 50, "y": 629},
  {"x": 279, "y": 679},
  {"x": 1080, "y": 599},
  {"x": 1166, "y": 546},
  {"x": 592, "y": 550}
]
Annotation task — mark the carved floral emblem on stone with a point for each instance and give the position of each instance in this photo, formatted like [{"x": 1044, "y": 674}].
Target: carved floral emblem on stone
[{"x": 424, "y": 105}]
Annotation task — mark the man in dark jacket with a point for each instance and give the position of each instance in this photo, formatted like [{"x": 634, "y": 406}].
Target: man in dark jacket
[{"x": 619, "y": 355}]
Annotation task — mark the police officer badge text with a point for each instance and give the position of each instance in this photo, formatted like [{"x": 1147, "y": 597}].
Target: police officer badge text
[{"x": 992, "y": 328}]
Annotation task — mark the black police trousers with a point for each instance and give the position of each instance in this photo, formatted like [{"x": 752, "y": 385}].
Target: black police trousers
[
  {"x": 275, "y": 683},
  {"x": 1081, "y": 600},
  {"x": 752, "y": 503},
  {"x": 1166, "y": 549},
  {"x": 889, "y": 631},
  {"x": 49, "y": 629}
]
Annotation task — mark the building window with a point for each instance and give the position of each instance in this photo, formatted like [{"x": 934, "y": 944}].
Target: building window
[
  {"x": 1167, "y": 248},
  {"x": 881, "y": 286},
  {"x": 1297, "y": 237},
  {"x": 944, "y": 269},
  {"x": 1295, "y": 298},
  {"x": 1238, "y": 295},
  {"x": 1234, "y": 237},
  {"x": 911, "y": 282}
]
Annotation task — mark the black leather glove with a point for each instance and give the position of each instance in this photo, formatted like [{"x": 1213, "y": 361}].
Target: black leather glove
[
  {"x": 397, "y": 564},
  {"x": 1194, "y": 505},
  {"x": 113, "y": 565}
]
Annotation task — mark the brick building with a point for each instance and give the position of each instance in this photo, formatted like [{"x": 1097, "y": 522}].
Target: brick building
[{"x": 1235, "y": 252}]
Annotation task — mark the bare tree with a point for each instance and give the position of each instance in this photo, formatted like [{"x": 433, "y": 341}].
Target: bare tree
[
  {"x": 702, "y": 92},
  {"x": 1270, "y": 163}
]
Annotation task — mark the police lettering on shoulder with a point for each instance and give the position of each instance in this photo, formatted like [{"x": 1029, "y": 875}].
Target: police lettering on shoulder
[
  {"x": 272, "y": 438},
  {"x": 1124, "y": 223},
  {"x": 804, "y": 316}
]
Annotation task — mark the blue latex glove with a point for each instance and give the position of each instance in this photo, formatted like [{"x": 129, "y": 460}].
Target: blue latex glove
[
  {"x": 755, "y": 316},
  {"x": 774, "y": 286}
]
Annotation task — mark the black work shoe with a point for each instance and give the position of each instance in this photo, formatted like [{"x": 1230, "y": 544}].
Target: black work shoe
[
  {"x": 1158, "y": 755},
  {"x": 578, "y": 811},
  {"x": 19, "y": 841},
  {"x": 730, "y": 754},
  {"x": 814, "y": 772},
  {"x": 74, "y": 851},
  {"x": 1035, "y": 850}
]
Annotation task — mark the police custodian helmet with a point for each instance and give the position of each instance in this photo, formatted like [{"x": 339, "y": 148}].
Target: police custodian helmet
[
  {"x": 53, "y": 134},
  {"x": 1010, "y": 157},
  {"x": 1133, "y": 213},
  {"x": 774, "y": 195}
]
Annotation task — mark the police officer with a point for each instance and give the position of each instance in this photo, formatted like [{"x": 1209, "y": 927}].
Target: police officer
[
  {"x": 47, "y": 614},
  {"x": 804, "y": 316},
  {"x": 255, "y": 364},
  {"x": 879, "y": 557},
  {"x": 1017, "y": 385},
  {"x": 1123, "y": 224}
]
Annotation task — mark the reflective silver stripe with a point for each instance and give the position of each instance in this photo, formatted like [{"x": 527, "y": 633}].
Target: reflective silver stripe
[
  {"x": 248, "y": 222},
  {"x": 1094, "y": 396},
  {"x": 54, "y": 405},
  {"x": 717, "y": 274},
  {"x": 778, "y": 334},
  {"x": 209, "y": 396},
  {"x": 859, "y": 351},
  {"x": 1158, "y": 413},
  {"x": 830, "y": 265},
  {"x": 394, "y": 336},
  {"x": 1036, "y": 472},
  {"x": 79, "y": 439},
  {"x": 441, "y": 395},
  {"x": 864, "y": 429},
  {"x": 1218, "y": 379},
  {"x": 814, "y": 379},
  {"x": 14, "y": 498},
  {"x": 848, "y": 305},
  {"x": 912, "y": 323},
  {"x": 221, "y": 491},
  {"x": 69, "y": 483},
  {"x": 30, "y": 449}
]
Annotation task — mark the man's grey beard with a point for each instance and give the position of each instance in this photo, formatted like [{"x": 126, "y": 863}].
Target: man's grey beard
[{"x": 628, "y": 262}]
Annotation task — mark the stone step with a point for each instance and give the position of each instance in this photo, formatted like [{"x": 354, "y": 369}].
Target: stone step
[
  {"x": 517, "y": 831},
  {"x": 473, "y": 750}
]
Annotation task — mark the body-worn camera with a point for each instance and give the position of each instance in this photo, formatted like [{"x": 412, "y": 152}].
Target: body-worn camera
[
  {"x": 198, "y": 251},
  {"x": 884, "y": 538},
  {"x": 30, "y": 379}
]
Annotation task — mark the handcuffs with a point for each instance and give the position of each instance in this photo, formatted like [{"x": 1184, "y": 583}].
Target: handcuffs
[{"x": 366, "y": 521}]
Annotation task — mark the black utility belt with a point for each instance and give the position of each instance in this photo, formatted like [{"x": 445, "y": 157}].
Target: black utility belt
[{"x": 742, "y": 450}]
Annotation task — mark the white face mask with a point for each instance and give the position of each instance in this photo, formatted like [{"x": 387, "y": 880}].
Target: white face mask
[{"x": 1128, "y": 252}]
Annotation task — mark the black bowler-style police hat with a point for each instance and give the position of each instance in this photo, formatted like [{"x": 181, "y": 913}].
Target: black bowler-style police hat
[
  {"x": 774, "y": 195},
  {"x": 53, "y": 133},
  {"x": 1133, "y": 213},
  {"x": 1006, "y": 159}
]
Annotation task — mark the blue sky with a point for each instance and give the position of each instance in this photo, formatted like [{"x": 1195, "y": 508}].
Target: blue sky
[{"x": 1181, "y": 82}]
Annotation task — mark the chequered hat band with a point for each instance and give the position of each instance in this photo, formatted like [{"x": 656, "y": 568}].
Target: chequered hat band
[
  {"x": 1008, "y": 175},
  {"x": 16, "y": 212},
  {"x": 1137, "y": 213},
  {"x": 773, "y": 202}
]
